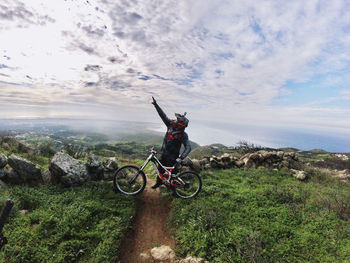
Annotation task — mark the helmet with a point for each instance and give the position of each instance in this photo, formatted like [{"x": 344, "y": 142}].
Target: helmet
[{"x": 181, "y": 119}]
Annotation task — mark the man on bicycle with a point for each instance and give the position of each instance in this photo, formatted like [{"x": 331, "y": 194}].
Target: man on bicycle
[{"x": 174, "y": 137}]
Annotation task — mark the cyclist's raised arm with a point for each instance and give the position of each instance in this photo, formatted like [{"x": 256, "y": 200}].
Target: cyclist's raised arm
[
  {"x": 187, "y": 144},
  {"x": 161, "y": 113}
]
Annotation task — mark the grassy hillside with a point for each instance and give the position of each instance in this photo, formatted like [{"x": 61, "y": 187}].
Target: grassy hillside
[
  {"x": 81, "y": 224},
  {"x": 265, "y": 216}
]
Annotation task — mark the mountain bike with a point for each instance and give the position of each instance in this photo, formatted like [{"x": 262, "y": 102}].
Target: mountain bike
[{"x": 131, "y": 180}]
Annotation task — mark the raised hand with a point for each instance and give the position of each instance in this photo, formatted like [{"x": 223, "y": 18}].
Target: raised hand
[{"x": 154, "y": 102}]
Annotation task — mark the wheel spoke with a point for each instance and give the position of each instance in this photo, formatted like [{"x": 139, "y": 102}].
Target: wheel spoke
[
  {"x": 188, "y": 186},
  {"x": 129, "y": 180}
]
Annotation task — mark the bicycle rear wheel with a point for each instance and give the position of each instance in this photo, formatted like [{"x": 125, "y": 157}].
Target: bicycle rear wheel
[
  {"x": 129, "y": 180},
  {"x": 187, "y": 185}
]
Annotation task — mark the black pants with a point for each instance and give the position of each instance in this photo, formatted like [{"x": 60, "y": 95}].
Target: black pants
[{"x": 168, "y": 161}]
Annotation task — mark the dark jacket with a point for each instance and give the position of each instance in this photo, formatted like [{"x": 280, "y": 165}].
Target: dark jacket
[{"x": 173, "y": 139}]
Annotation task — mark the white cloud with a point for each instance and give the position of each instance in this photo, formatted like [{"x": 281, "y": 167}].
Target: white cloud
[{"x": 224, "y": 60}]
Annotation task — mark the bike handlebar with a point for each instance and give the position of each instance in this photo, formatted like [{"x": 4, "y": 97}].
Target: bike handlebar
[{"x": 153, "y": 150}]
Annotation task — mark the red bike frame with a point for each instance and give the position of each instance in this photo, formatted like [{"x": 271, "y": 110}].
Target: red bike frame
[{"x": 167, "y": 177}]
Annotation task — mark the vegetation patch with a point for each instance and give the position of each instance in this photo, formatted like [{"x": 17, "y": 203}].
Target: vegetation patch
[
  {"x": 80, "y": 224},
  {"x": 265, "y": 216}
]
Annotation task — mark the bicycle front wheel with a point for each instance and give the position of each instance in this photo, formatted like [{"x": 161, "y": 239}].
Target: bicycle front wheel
[
  {"x": 187, "y": 185},
  {"x": 129, "y": 180}
]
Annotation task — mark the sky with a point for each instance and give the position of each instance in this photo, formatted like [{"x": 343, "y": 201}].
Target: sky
[{"x": 270, "y": 72}]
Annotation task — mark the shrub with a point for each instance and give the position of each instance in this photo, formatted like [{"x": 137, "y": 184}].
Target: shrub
[
  {"x": 264, "y": 216},
  {"x": 81, "y": 224}
]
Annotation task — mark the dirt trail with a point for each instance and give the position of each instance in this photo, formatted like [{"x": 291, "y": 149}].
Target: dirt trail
[{"x": 149, "y": 226}]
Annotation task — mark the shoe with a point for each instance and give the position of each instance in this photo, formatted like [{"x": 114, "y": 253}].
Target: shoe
[{"x": 156, "y": 186}]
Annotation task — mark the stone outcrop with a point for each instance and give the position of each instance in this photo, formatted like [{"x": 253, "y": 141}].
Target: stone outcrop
[
  {"x": 95, "y": 167},
  {"x": 110, "y": 166},
  {"x": 67, "y": 170},
  {"x": 9, "y": 142},
  {"x": 165, "y": 254},
  {"x": 300, "y": 175},
  {"x": 343, "y": 175},
  {"x": 47, "y": 178},
  {"x": 11, "y": 177},
  {"x": 3, "y": 160},
  {"x": 26, "y": 170},
  {"x": 258, "y": 159}
]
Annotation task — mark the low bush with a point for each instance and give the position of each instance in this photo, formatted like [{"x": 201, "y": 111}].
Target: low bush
[{"x": 264, "y": 216}]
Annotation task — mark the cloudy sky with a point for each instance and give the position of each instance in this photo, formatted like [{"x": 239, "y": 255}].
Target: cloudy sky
[{"x": 241, "y": 69}]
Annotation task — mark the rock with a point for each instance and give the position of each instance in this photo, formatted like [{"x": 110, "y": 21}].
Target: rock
[
  {"x": 239, "y": 163},
  {"x": 204, "y": 161},
  {"x": 248, "y": 162},
  {"x": 110, "y": 166},
  {"x": 163, "y": 253},
  {"x": 285, "y": 163},
  {"x": 9, "y": 142},
  {"x": 216, "y": 163},
  {"x": 300, "y": 175},
  {"x": 27, "y": 171},
  {"x": 23, "y": 212},
  {"x": 344, "y": 174},
  {"x": 2, "y": 173},
  {"x": 207, "y": 166},
  {"x": 266, "y": 155},
  {"x": 226, "y": 158},
  {"x": 2, "y": 185},
  {"x": 196, "y": 165},
  {"x": 187, "y": 162},
  {"x": 11, "y": 177},
  {"x": 280, "y": 154},
  {"x": 67, "y": 170},
  {"x": 94, "y": 167},
  {"x": 47, "y": 178},
  {"x": 3, "y": 160}
]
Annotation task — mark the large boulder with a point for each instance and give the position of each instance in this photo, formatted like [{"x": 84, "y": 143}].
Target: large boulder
[
  {"x": 259, "y": 159},
  {"x": 94, "y": 167},
  {"x": 163, "y": 253},
  {"x": 26, "y": 170},
  {"x": 3, "y": 160},
  {"x": 272, "y": 159},
  {"x": 110, "y": 167},
  {"x": 9, "y": 142},
  {"x": 11, "y": 177},
  {"x": 67, "y": 170}
]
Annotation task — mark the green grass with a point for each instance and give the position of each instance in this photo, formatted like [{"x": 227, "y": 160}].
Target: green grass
[
  {"x": 81, "y": 224},
  {"x": 265, "y": 216}
]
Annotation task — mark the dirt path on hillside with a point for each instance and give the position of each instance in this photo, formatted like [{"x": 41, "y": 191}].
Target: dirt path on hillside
[{"x": 149, "y": 227}]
